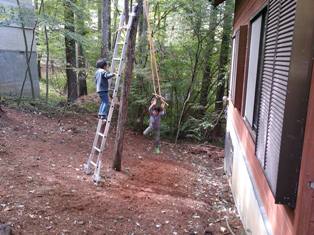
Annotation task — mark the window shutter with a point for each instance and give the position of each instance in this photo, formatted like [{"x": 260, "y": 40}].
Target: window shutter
[
  {"x": 237, "y": 66},
  {"x": 235, "y": 43},
  {"x": 240, "y": 66},
  {"x": 275, "y": 76}
]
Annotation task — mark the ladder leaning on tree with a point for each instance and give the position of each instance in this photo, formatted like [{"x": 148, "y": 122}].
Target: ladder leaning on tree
[{"x": 118, "y": 58}]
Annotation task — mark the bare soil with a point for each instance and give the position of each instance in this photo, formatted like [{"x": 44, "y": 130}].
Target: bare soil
[{"x": 43, "y": 189}]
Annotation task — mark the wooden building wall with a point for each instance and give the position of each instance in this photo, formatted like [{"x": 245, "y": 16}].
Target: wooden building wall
[{"x": 283, "y": 219}]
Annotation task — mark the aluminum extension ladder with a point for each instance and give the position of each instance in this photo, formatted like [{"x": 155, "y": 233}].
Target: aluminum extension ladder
[{"x": 101, "y": 136}]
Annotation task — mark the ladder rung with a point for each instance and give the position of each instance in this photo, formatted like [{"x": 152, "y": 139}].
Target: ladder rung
[
  {"x": 97, "y": 149},
  {"x": 101, "y": 134},
  {"x": 123, "y": 27},
  {"x": 123, "y": 37}
]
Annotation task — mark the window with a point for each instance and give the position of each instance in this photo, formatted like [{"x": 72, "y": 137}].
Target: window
[{"x": 254, "y": 65}]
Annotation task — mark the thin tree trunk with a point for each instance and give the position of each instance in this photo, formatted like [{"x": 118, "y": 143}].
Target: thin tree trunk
[
  {"x": 223, "y": 61},
  {"x": 47, "y": 59},
  {"x": 38, "y": 55},
  {"x": 82, "y": 71},
  {"x": 36, "y": 4},
  {"x": 206, "y": 81},
  {"x": 99, "y": 22},
  {"x": 115, "y": 22},
  {"x": 142, "y": 54},
  {"x": 99, "y": 15},
  {"x": 105, "y": 51},
  {"x": 39, "y": 66},
  {"x": 189, "y": 91},
  {"x": 123, "y": 110},
  {"x": 81, "y": 61},
  {"x": 70, "y": 51}
]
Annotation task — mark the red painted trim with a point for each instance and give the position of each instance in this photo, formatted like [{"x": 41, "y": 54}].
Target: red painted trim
[
  {"x": 240, "y": 66},
  {"x": 280, "y": 216}
]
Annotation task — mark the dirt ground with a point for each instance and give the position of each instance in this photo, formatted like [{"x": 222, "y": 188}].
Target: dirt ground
[{"x": 43, "y": 189}]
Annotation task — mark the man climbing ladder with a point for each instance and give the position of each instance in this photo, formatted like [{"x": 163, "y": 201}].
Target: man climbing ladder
[{"x": 101, "y": 136}]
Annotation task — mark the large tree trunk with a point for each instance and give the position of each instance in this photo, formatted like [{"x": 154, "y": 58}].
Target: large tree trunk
[
  {"x": 123, "y": 110},
  {"x": 81, "y": 61},
  {"x": 106, "y": 37},
  {"x": 70, "y": 51},
  {"x": 206, "y": 81},
  {"x": 223, "y": 63}
]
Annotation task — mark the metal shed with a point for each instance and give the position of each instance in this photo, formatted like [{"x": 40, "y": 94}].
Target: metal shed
[{"x": 13, "y": 54}]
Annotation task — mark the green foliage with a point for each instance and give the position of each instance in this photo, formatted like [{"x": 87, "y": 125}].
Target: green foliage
[{"x": 181, "y": 31}]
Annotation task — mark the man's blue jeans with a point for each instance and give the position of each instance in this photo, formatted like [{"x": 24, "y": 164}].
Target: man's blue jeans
[{"x": 103, "y": 108}]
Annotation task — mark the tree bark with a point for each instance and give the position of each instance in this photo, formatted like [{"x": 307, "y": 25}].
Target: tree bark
[
  {"x": 106, "y": 37},
  {"x": 39, "y": 66},
  {"x": 81, "y": 60},
  {"x": 142, "y": 58},
  {"x": 189, "y": 91},
  {"x": 223, "y": 62},
  {"x": 99, "y": 15},
  {"x": 206, "y": 81},
  {"x": 70, "y": 54},
  {"x": 115, "y": 22},
  {"x": 37, "y": 33},
  {"x": 123, "y": 110},
  {"x": 126, "y": 10},
  {"x": 47, "y": 59}
]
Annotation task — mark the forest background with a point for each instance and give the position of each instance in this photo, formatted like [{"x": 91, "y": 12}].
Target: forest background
[{"x": 193, "y": 47}]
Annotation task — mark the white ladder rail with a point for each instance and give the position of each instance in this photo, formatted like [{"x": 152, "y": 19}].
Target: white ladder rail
[
  {"x": 87, "y": 167},
  {"x": 116, "y": 47}
]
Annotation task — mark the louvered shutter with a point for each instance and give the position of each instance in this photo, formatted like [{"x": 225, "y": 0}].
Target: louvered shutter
[{"x": 275, "y": 78}]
